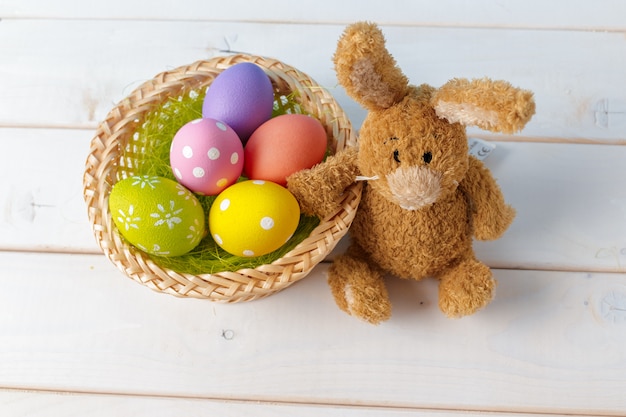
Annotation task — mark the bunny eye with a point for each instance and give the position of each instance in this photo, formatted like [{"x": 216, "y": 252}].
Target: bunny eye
[
  {"x": 427, "y": 157},
  {"x": 396, "y": 156}
]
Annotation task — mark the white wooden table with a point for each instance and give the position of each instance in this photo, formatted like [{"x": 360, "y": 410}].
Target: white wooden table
[{"x": 77, "y": 338}]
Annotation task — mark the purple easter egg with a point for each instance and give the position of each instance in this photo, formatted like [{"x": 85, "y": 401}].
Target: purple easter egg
[{"x": 241, "y": 96}]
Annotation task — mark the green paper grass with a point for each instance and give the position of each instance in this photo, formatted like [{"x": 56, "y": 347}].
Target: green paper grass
[{"x": 148, "y": 153}]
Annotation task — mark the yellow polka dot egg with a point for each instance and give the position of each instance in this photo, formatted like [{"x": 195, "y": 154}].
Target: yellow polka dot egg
[
  {"x": 253, "y": 218},
  {"x": 157, "y": 215}
]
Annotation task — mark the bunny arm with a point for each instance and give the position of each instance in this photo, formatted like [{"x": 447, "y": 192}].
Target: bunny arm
[
  {"x": 491, "y": 215},
  {"x": 318, "y": 189}
]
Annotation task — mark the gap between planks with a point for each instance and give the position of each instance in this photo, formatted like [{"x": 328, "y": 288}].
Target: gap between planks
[
  {"x": 477, "y": 134},
  {"x": 330, "y": 259},
  {"x": 443, "y": 412},
  {"x": 342, "y": 23}
]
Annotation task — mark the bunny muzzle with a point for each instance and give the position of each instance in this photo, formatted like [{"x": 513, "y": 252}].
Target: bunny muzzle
[{"x": 414, "y": 187}]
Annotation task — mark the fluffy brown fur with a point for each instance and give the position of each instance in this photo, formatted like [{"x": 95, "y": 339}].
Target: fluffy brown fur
[
  {"x": 426, "y": 198},
  {"x": 321, "y": 199}
]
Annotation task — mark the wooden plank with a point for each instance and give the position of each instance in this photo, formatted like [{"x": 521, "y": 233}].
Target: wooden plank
[
  {"x": 571, "y": 210},
  {"x": 67, "y": 80},
  {"x": 78, "y": 338},
  {"x": 41, "y": 191},
  {"x": 579, "y": 14},
  {"x": 551, "y": 342},
  {"x": 15, "y": 403}
]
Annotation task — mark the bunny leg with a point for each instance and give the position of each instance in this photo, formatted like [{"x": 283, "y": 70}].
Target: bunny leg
[
  {"x": 358, "y": 286},
  {"x": 466, "y": 287}
]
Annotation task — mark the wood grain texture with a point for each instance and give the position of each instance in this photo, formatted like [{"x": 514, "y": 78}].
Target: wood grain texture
[
  {"x": 41, "y": 192},
  {"x": 77, "y": 74},
  {"x": 16, "y": 403},
  {"x": 556, "y": 14},
  {"x": 77, "y": 338},
  {"x": 570, "y": 209},
  {"x": 550, "y": 342},
  {"x": 571, "y": 213}
]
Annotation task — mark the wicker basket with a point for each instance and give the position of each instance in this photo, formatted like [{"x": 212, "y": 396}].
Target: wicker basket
[{"x": 105, "y": 160}]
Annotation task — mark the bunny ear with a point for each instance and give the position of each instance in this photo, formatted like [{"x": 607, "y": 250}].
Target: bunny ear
[
  {"x": 366, "y": 69},
  {"x": 496, "y": 106}
]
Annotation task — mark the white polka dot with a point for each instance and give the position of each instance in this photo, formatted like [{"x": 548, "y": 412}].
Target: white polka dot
[
  {"x": 213, "y": 154},
  {"x": 187, "y": 152},
  {"x": 267, "y": 223},
  {"x": 178, "y": 174},
  {"x": 221, "y": 126},
  {"x": 248, "y": 252},
  {"x": 258, "y": 182},
  {"x": 198, "y": 172},
  {"x": 224, "y": 204},
  {"x": 218, "y": 239},
  {"x": 193, "y": 122},
  {"x": 234, "y": 158}
]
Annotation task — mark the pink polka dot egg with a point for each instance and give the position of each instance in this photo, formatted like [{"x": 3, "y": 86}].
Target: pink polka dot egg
[
  {"x": 206, "y": 156},
  {"x": 253, "y": 218}
]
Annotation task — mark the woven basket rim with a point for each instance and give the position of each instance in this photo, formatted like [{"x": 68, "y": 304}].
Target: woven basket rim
[{"x": 246, "y": 284}]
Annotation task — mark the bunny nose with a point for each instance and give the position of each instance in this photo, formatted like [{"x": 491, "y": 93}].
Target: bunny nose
[{"x": 414, "y": 187}]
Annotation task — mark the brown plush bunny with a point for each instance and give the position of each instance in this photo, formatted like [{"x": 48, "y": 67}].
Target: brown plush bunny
[{"x": 425, "y": 198}]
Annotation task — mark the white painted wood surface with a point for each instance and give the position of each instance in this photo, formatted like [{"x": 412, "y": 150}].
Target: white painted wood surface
[
  {"x": 546, "y": 337},
  {"x": 19, "y": 403},
  {"x": 577, "y": 76},
  {"x": 79, "y": 338}
]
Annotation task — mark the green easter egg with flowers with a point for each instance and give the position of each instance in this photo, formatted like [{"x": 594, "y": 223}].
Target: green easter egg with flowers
[{"x": 157, "y": 215}]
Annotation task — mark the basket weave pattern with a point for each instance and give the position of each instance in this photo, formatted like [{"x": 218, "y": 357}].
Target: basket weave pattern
[{"x": 105, "y": 162}]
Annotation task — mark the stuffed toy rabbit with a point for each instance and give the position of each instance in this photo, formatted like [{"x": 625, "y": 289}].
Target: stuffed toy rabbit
[{"x": 425, "y": 198}]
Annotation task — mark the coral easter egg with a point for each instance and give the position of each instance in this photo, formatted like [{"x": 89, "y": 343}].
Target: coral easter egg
[
  {"x": 206, "y": 156},
  {"x": 284, "y": 145},
  {"x": 241, "y": 96},
  {"x": 157, "y": 215},
  {"x": 253, "y": 218}
]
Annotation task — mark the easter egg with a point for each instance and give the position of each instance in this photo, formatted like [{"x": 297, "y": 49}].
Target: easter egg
[
  {"x": 157, "y": 215},
  {"x": 241, "y": 96},
  {"x": 253, "y": 218},
  {"x": 284, "y": 145},
  {"x": 206, "y": 156}
]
